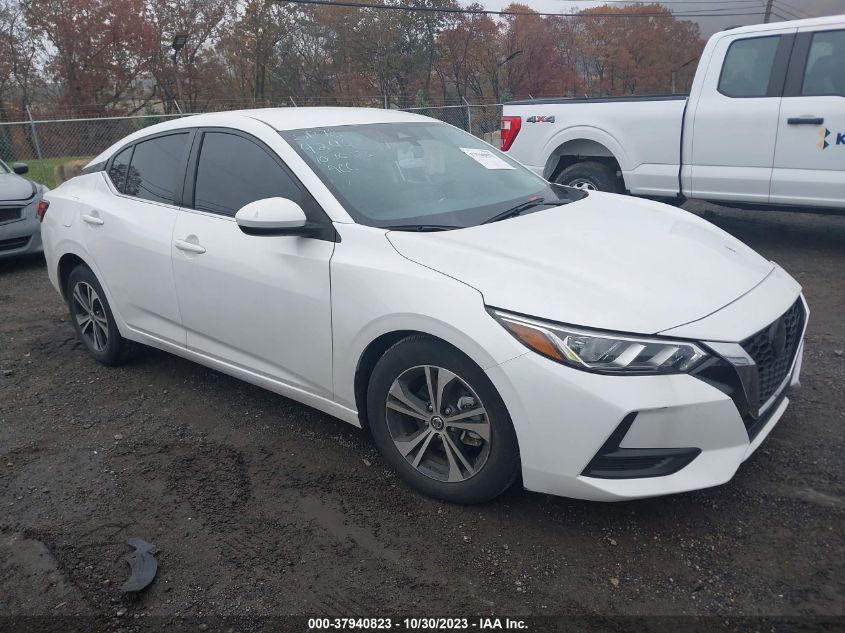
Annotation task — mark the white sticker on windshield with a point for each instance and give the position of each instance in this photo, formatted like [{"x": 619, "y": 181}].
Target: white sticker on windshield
[{"x": 486, "y": 157}]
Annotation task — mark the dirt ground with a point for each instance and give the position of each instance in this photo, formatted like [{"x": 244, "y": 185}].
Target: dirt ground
[{"x": 262, "y": 506}]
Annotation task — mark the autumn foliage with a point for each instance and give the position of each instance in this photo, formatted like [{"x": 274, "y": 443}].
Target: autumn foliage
[{"x": 98, "y": 56}]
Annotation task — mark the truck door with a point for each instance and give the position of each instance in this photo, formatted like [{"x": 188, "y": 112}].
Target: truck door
[
  {"x": 809, "y": 167},
  {"x": 736, "y": 117}
]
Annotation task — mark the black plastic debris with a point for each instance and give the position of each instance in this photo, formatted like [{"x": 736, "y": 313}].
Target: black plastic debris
[{"x": 142, "y": 565}]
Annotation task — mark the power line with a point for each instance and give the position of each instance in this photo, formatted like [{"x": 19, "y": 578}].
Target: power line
[
  {"x": 791, "y": 16},
  {"x": 800, "y": 11},
  {"x": 785, "y": 7},
  {"x": 788, "y": 8},
  {"x": 791, "y": 11},
  {"x": 639, "y": 2},
  {"x": 398, "y": 7}
]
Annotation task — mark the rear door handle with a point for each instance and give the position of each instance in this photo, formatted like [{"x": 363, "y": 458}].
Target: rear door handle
[
  {"x": 805, "y": 120},
  {"x": 92, "y": 219},
  {"x": 189, "y": 247}
]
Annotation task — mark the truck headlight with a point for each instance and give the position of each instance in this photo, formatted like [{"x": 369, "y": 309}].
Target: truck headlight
[{"x": 602, "y": 352}]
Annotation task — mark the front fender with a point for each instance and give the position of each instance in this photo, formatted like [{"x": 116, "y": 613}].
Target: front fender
[{"x": 378, "y": 291}]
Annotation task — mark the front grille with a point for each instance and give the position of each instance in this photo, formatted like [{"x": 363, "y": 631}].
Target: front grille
[
  {"x": 10, "y": 213},
  {"x": 13, "y": 244},
  {"x": 773, "y": 349}
]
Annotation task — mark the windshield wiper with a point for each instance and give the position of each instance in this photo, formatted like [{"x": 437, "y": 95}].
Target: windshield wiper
[
  {"x": 522, "y": 207},
  {"x": 420, "y": 228}
]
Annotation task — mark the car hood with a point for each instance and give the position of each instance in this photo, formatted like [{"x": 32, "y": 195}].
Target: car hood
[
  {"x": 606, "y": 261},
  {"x": 15, "y": 188}
]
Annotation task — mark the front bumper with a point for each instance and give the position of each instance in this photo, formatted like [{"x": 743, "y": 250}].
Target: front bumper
[
  {"x": 21, "y": 236},
  {"x": 677, "y": 433},
  {"x": 563, "y": 417}
]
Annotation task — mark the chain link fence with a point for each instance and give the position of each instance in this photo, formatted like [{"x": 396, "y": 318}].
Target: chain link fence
[{"x": 55, "y": 149}]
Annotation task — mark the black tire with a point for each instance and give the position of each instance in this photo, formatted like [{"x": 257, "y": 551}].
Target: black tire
[
  {"x": 597, "y": 175},
  {"x": 115, "y": 350},
  {"x": 501, "y": 465}
]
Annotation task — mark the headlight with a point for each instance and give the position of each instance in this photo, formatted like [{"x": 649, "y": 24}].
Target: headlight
[{"x": 602, "y": 352}]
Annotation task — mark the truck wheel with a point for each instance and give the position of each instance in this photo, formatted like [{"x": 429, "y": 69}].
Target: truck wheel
[{"x": 590, "y": 176}]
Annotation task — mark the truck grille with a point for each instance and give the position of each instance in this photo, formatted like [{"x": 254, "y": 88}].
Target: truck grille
[
  {"x": 10, "y": 214},
  {"x": 773, "y": 349}
]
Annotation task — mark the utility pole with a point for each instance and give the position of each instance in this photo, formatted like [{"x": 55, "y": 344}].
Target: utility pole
[
  {"x": 179, "y": 41},
  {"x": 768, "y": 17},
  {"x": 675, "y": 72}
]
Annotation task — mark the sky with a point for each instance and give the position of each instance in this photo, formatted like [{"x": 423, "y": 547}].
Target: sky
[{"x": 708, "y": 25}]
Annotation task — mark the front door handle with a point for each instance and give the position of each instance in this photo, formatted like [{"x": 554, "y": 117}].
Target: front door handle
[
  {"x": 92, "y": 219},
  {"x": 189, "y": 247},
  {"x": 805, "y": 120}
]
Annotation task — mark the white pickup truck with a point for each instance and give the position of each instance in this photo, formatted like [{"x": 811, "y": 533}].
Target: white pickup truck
[{"x": 764, "y": 124}]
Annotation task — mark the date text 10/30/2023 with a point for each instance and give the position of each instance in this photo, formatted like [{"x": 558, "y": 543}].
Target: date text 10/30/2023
[{"x": 418, "y": 624}]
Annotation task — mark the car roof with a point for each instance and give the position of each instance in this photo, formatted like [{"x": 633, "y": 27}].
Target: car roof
[
  {"x": 829, "y": 20},
  {"x": 296, "y": 118},
  {"x": 277, "y": 118}
]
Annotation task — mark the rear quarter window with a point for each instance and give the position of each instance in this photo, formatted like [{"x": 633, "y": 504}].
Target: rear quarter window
[{"x": 119, "y": 168}]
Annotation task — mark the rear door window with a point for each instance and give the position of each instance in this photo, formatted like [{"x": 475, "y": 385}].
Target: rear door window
[
  {"x": 154, "y": 171},
  {"x": 748, "y": 67},
  {"x": 824, "y": 73}
]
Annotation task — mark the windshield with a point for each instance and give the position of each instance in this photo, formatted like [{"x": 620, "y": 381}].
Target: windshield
[
  {"x": 3, "y": 168},
  {"x": 410, "y": 174}
]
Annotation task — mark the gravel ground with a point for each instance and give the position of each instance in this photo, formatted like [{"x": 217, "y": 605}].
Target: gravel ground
[{"x": 262, "y": 506}]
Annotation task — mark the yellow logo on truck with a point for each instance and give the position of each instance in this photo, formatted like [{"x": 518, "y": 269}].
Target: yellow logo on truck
[{"x": 824, "y": 133}]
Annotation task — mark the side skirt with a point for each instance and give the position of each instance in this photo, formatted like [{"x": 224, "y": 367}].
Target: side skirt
[{"x": 271, "y": 384}]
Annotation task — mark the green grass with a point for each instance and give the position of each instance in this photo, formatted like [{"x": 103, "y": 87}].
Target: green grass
[{"x": 44, "y": 171}]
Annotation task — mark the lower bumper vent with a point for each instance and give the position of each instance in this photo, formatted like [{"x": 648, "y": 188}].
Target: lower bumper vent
[{"x": 614, "y": 462}]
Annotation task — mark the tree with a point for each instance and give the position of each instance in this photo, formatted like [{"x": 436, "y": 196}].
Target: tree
[
  {"x": 634, "y": 55},
  {"x": 537, "y": 69},
  {"x": 18, "y": 52},
  {"x": 98, "y": 48},
  {"x": 197, "y": 67},
  {"x": 468, "y": 59}
]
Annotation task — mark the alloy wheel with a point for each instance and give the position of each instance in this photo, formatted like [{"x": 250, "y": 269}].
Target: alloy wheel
[
  {"x": 583, "y": 183},
  {"x": 91, "y": 317},
  {"x": 438, "y": 423}
]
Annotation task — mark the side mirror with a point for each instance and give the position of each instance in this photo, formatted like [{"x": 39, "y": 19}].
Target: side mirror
[
  {"x": 20, "y": 168},
  {"x": 275, "y": 216}
]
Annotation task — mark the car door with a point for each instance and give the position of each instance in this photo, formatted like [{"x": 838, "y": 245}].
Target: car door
[
  {"x": 736, "y": 117},
  {"x": 127, "y": 224},
  {"x": 260, "y": 303},
  {"x": 809, "y": 166}
]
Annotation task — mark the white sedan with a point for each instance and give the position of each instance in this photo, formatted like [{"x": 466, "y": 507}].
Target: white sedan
[{"x": 403, "y": 276}]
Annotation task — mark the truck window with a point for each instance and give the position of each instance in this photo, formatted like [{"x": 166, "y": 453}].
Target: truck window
[
  {"x": 824, "y": 73},
  {"x": 748, "y": 67}
]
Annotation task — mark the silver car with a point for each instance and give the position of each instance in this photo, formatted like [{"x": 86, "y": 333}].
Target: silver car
[{"x": 20, "y": 230}]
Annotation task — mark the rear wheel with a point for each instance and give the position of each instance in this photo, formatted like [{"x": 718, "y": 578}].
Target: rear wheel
[
  {"x": 438, "y": 420},
  {"x": 93, "y": 320},
  {"x": 590, "y": 176}
]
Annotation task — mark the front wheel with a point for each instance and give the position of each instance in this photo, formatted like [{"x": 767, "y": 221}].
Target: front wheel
[
  {"x": 590, "y": 176},
  {"x": 438, "y": 420}
]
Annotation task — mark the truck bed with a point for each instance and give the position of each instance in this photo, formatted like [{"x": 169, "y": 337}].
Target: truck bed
[{"x": 642, "y": 133}]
